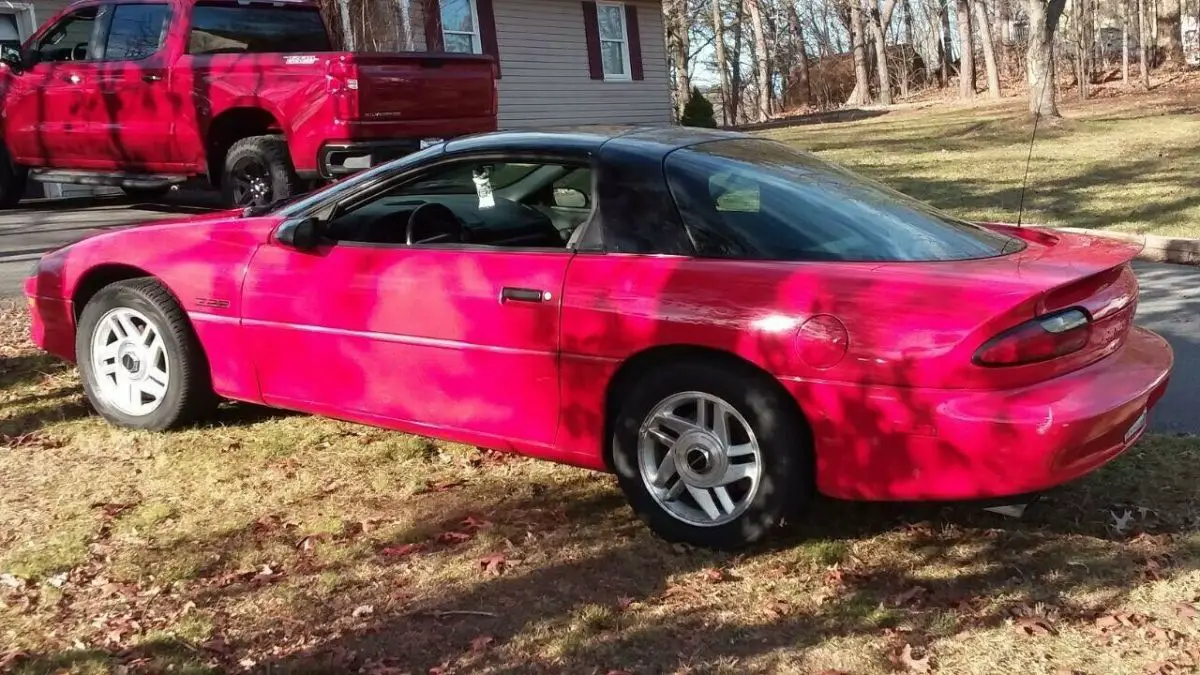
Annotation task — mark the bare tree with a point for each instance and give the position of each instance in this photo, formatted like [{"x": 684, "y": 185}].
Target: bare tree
[
  {"x": 727, "y": 96},
  {"x": 880, "y": 18},
  {"x": 679, "y": 28},
  {"x": 1039, "y": 56},
  {"x": 763, "y": 72},
  {"x": 803, "y": 87},
  {"x": 1144, "y": 41},
  {"x": 862, "y": 92},
  {"x": 1170, "y": 38},
  {"x": 1080, "y": 48},
  {"x": 1125, "y": 42},
  {"x": 989, "y": 48},
  {"x": 966, "y": 57},
  {"x": 910, "y": 45},
  {"x": 947, "y": 42}
]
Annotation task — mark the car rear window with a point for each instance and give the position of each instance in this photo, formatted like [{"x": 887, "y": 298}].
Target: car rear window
[
  {"x": 758, "y": 199},
  {"x": 251, "y": 29}
]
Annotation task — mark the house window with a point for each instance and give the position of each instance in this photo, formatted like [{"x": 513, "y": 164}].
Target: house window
[
  {"x": 460, "y": 26},
  {"x": 614, "y": 43}
]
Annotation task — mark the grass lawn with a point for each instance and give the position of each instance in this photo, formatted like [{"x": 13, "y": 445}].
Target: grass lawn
[
  {"x": 1124, "y": 163},
  {"x": 284, "y": 543}
]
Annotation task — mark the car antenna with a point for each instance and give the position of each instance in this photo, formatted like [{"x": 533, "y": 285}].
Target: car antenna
[{"x": 1037, "y": 117}]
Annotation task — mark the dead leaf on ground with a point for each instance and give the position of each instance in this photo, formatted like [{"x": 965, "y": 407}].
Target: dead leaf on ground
[
  {"x": 1186, "y": 610},
  {"x": 443, "y": 486},
  {"x": 914, "y": 595},
  {"x": 481, "y": 643},
  {"x": 452, "y": 537},
  {"x": 920, "y": 665},
  {"x": 111, "y": 510},
  {"x": 473, "y": 524},
  {"x": 778, "y": 608},
  {"x": 716, "y": 575},
  {"x": 401, "y": 550},
  {"x": 1034, "y": 626},
  {"x": 624, "y": 603},
  {"x": 494, "y": 563},
  {"x": 362, "y": 610}
]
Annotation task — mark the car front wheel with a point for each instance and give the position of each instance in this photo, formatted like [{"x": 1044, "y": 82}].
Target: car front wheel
[
  {"x": 140, "y": 362},
  {"x": 710, "y": 455}
]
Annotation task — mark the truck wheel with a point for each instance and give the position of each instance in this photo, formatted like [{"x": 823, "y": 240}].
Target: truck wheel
[
  {"x": 13, "y": 180},
  {"x": 258, "y": 171}
]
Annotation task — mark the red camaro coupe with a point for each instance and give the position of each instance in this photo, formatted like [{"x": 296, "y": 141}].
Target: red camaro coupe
[{"x": 726, "y": 323}]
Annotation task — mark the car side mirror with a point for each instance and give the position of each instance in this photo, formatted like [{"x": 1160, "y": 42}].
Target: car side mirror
[{"x": 302, "y": 234}]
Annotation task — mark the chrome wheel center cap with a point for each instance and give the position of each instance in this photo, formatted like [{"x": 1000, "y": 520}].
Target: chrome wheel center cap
[
  {"x": 131, "y": 360},
  {"x": 700, "y": 459}
]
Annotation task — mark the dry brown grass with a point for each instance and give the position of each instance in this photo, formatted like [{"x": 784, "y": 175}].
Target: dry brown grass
[
  {"x": 1123, "y": 162},
  {"x": 285, "y": 543}
]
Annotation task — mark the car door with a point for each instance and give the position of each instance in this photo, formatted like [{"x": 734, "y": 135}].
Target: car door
[
  {"x": 48, "y": 105},
  {"x": 131, "y": 126},
  {"x": 459, "y": 341}
]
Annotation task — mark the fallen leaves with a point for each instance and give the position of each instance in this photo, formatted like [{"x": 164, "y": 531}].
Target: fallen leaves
[
  {"x": 451, "y": 537},
  {"x": 401, "y": 550},
  {"x": 439, "y": 486},
  {"x": 1186, "y": 610},
  {"x": 1034, "y": 626},
  {"x": 493, "y": 563},
  {"x": 362, "y": 611},
  {"x": 481, "y": 643},
  {"x": 716, "y": 575},
  {"x": 908, "y": 659}
]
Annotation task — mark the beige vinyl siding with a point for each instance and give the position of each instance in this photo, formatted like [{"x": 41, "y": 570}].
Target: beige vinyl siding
[{"x": 544, "y": 68}]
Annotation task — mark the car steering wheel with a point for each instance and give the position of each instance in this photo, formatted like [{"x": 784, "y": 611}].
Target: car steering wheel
[{"x": 434, "y": 223}]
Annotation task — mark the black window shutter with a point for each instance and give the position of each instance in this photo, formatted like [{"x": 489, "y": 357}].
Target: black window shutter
[
  {"x": 591, "y": 30},
  {"x": 634, "y": 36},
  {"x": 487, "y": 31}
]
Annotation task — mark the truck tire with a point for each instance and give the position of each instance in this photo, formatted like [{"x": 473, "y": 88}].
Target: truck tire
[
  {"x": 259, "y": 171},
  {"x": 13, "y": 180}
]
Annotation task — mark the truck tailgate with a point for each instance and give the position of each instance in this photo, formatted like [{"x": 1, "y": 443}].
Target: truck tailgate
[{"x": 413, "y": 87}]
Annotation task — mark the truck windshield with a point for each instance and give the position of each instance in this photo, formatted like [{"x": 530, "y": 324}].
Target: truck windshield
[{"x": 222, "y": 28}]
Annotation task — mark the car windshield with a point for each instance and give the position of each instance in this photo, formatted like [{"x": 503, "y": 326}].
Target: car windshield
[{"x": 757, "y": 199}]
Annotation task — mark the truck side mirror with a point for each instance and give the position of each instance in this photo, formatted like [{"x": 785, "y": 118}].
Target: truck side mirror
[{"x": 12, "y": 58}]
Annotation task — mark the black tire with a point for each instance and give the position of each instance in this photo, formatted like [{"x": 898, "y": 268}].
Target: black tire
[
  {"x": 268, "y": 158},
  {"x": 189, "y": 395},
  {"x": 147, "y": 193},
  {"x": 787, "y": 473},
  {"x": 13, "y": 180}
]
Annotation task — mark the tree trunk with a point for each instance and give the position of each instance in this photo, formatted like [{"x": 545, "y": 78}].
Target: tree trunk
[
  {"x": 722, "y": 63},
  {"x": 1169, "y": 35},
  {"x": 1125, "y": 42},
  {"x": 802, "y": 87},
  {"x": 880, "y": 19},
  {"x": 947, "y": 42},
  {"x": 989, "y": 48},
  {"x": 861, "y": 92},
  {"x": 1080, "y": 49},
  {"x": 1144, "y": 41},
  {"x": 764, "y": 64},
  {"x": 679, "y": 48},
  {"x": 1004, "y": 15},
  {"x": 1039, "y": 56},
  {"x": 347, "y": 25},
  {"x": 966, "y": 57},
  {"x": 735, "y": 62},
  {"x": 909, "y": 44}
]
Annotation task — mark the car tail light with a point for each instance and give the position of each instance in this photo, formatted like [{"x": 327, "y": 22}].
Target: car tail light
[
  {"x": 1044, "y": 338},
  {"x": 340, "y": 76}
]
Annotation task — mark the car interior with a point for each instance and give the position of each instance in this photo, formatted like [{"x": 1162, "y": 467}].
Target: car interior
[{"x": 520, "y": 205}]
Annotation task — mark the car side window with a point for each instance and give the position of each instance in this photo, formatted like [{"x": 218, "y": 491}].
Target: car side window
[
  {"x": 500, "y": 204},
  {"x": 136, "y": 32},
  {"x": 69, "y": 40}
]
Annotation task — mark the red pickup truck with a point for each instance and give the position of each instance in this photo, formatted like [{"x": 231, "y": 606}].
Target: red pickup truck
[{"x": 252, "y": 96}]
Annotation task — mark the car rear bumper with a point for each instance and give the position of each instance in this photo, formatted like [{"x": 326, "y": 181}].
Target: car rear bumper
[
  {"x": 895, "y": 444},
  {"x": 52, "y": 322}
]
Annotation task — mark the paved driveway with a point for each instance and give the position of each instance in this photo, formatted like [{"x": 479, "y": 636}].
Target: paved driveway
[{"x": 1170, "y": 302}]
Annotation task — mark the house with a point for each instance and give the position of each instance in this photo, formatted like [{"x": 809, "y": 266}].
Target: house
[{"x": 560, "y": 61}]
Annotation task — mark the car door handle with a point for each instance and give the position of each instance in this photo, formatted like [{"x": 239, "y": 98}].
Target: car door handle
[
  {"x": 509, "y": 294},
  {"x": 149, "y": 77},
  {"x": 73, "y": 78}
]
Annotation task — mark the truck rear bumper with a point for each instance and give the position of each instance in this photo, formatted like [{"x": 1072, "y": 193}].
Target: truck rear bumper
[{"x": 341, "y": 158}]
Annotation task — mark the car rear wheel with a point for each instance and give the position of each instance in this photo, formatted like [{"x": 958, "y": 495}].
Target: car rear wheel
[
  {"x": 141, "y": 364},
  {"x": 710, "y": 455},
  {"x": 259, "y": 171}
]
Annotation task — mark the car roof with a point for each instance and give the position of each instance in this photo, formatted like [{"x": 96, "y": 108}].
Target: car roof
[{"x": 650, "y": 139}]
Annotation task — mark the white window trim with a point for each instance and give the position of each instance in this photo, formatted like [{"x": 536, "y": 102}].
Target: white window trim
[
  {"x": 628, "y": 76},
  {"x": 476, "y": 38}
]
